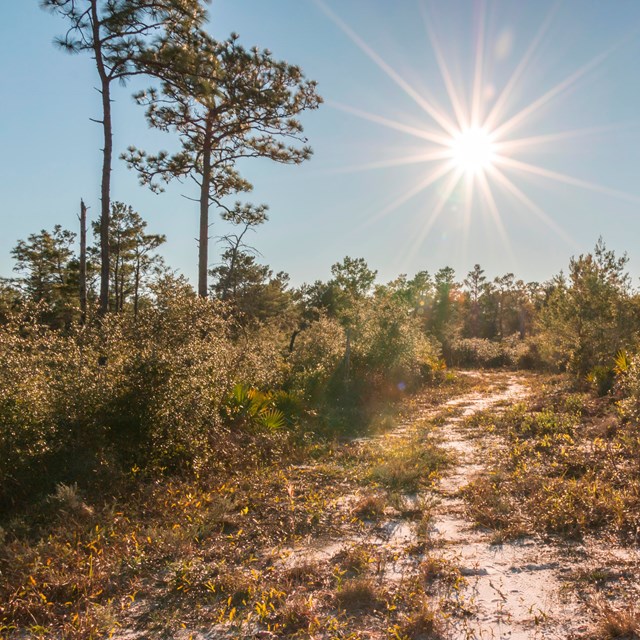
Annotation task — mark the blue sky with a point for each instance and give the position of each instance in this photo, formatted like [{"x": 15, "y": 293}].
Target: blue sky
[{"x": 319, "y": 211}]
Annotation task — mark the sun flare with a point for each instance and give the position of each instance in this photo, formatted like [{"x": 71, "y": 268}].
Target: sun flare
[
  {"x": 472, "y": 150},
  {"x": 473, "y": 144}
]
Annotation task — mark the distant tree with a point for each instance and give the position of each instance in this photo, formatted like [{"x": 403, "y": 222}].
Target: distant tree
[
  {"x": 503, "y": 290},
  {"x": 115, "y": 33},
  {"x": 474, "y": 283},
  {"x": 49, "y": 271},
  {"x": 225, "y": 103},
  {"x": 245, "y": 218},
  {"x": 132, "y": 257},
  {"x": 10, "y": 299},
  {"x": 253, "y": 290},
  {"x": 589, "y": 315},
  {"x": 444, "y": 305},
  {"x": 353, "y": 276}
]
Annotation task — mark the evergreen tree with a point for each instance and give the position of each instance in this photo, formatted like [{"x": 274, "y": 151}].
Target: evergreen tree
[
  {"x": 115, "y": 33},
  {"x": 474, "y": 282},
  {"x": 225, "y": 103},
  {"x": 589, "y": 315},
  {"x": 49, "y": 271},
  {"x": 246, "y": 218},
  {"x": 132, "y": 257}
]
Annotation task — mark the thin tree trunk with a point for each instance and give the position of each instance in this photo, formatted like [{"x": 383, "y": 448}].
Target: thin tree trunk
[
  {"x": 230, "y": 272},
  {"x": 105, "y": 201},
  {"x": 203, "y": 253},
  {"x": 116, "y": 273},
  {"x": 347, "y": 355},
  {"x": 83, "y": 262},
  {"x": 136, "y": 288},
  {"x": 107, "y": 153}
]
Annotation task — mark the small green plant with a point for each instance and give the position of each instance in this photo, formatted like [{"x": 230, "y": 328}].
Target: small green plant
[
  {"x": 602, "y": 379},
  {"x": 247, "y": 406},
  {"x": 622, "y": 362}
]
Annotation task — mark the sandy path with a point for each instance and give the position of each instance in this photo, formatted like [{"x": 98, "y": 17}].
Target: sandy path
[{"x": 513, "y": 590}]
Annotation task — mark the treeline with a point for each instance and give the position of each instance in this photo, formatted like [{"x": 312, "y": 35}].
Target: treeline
[
  {"x": 576, "y": 321},
  {"x": 171, "y": 381}
]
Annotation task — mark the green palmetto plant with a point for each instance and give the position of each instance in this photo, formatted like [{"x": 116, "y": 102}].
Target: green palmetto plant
[
  {"x": 254, "y": 408},
  {"x": 621, "y": 362}
]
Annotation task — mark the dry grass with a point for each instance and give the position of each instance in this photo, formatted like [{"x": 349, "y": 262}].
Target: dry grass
[
  {"x": 176, "y": 553},
  {"x": 408, "y": 466},
  {"x": 355, "y": 560},
  {"x": 369, "y": 506},
  {"x": 361, "y": 595},
  {"x": 423, "y": 624},
  {"x": 616, "y": 623},
  {"x": 568, "y": 467}
]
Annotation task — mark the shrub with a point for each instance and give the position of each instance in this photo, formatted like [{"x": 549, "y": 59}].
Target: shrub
[
  {"x": 146, "y": 393},
  {"x": 512, "y": 351}
]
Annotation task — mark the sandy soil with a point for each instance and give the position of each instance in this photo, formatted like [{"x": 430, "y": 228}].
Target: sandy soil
[
  {"x": 518, "y": 590},
  {"x": 513, "y": 590}
]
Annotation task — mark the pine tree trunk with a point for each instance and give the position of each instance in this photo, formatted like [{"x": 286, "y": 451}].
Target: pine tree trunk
[
  {"x": 136, "y": 289},
  {"x": 203, "y": 253},
  {"x": 105, "y": 200},
  {"x": 107, "y": 153},
  {"x": 83, "y": 262}
]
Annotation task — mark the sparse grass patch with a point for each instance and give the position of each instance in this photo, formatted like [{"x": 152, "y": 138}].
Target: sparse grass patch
[
  {"x": 369, "y": 506},
  {"x": 568, "y": 468},
  {"x": 361, "y": 595},
  {"x": 298, "y": 614},
  {"x": 354, "y": 560},
  {"x": 408, "y": 465},
  {"x": 491, "y": 507},
  {"x": 307, "y": 572},
  {"x": 595, "y": 575},
  {"x": 423, "y": 624},
  {"x": 433, "y": 569},
  {"x": 616, "y": 623}
]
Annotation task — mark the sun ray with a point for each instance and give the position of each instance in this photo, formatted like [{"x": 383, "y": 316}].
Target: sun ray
[
  {"x": 476, "y": 101},
  {"x": 456, "y": 103},
  {"x": 424, "y": 134},
  {"x": 472, "y": 146},
  {"x": 533, "y": 169},
  {"x": 558, "y": 89},
  {"x": 466, "y": 212},
  {"x": 448, "y": 189},
  {"x": 431, "y": 178},
  {"x": 535, "y": 209},
  {"x": 495, "y": 214},
  {"x": 438, "y": 116},
  {"x": 395, "y": 162},
  {"x": 498, "y": 108},
  {"x": 517, "y": 144}
]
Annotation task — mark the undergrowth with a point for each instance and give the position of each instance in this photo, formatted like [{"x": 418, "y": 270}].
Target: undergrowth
[
  {"x": 567, "y": 466},
  {"x": 160, "y": 554}
]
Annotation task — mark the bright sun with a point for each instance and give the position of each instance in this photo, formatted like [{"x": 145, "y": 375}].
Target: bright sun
[
  {"x": 472, "y": 144},
  {"x": 472, "y": 150}
]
